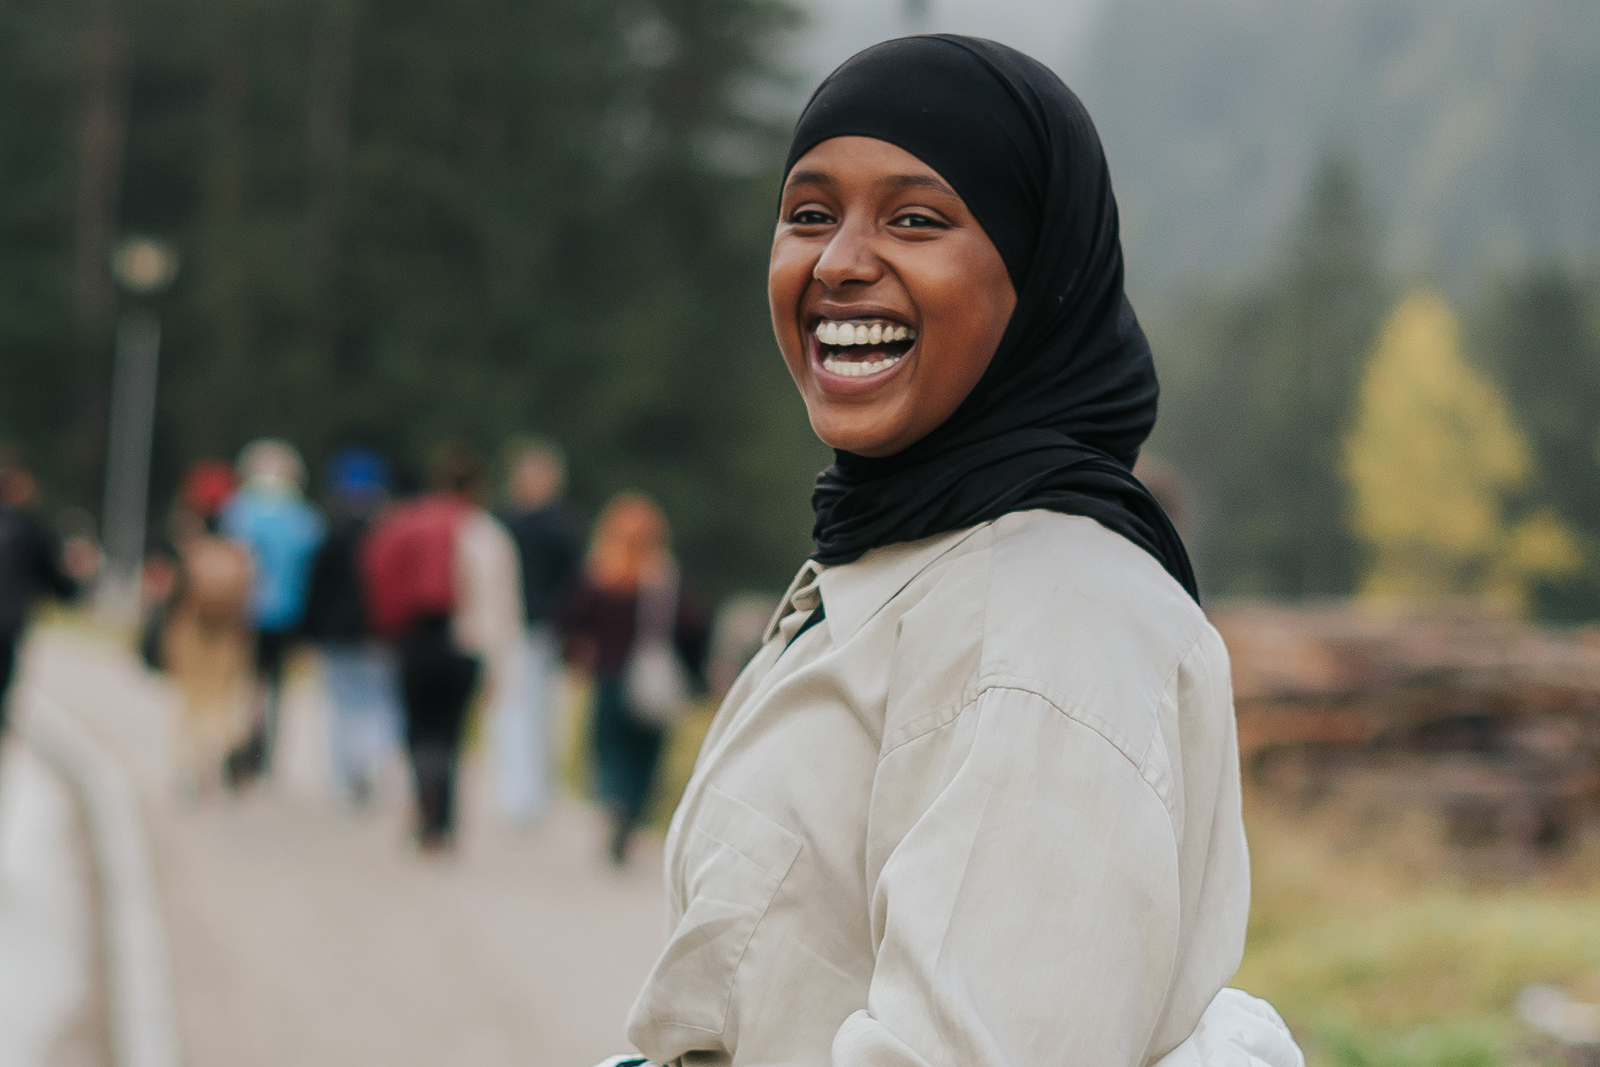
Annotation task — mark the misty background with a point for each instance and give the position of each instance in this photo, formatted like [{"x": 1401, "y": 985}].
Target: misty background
[{"x": 1363, "y": 236}]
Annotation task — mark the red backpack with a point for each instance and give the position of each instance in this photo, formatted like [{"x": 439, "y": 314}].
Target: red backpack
[{"x": 408, "y": 563}]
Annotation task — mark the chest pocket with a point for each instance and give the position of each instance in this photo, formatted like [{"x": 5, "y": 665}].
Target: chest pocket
[{"x": 735, "y": 858}]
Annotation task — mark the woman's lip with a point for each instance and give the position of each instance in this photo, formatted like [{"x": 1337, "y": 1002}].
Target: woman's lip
[
  {"x": 864, "y": 313},
  {"x": 837, "y": 384}
]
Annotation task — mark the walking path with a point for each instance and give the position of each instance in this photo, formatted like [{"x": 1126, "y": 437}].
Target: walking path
[{"x": 300, "y": 933}]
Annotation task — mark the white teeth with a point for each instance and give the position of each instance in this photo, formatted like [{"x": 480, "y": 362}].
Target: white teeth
[
  {"x": 858, "y": 369},
  {"x": 844, "y": 334}
]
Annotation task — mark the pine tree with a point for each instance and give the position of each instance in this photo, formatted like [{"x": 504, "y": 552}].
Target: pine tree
[
  {"x": 1541, "y": 335},
  {"x": 43, "y": 373},
  {"x": 419, "y": 219},
  {"x": 1260, "y": 395}
]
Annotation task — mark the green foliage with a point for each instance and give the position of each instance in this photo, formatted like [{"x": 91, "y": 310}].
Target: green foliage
[
  {"x": 1260, "y": 385},
  {"x": 1381, "y": 949},
  {"x": 418, "y": 219},
  {"x": 36, "y": 353},
  {"x": 1260, "y": 391},
  {"x": 1540, "y": 333},
  {"x": 1431, "y": 1046}
]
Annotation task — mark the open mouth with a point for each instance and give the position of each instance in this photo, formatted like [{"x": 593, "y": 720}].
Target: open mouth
[{"x": 858, "y": 348}]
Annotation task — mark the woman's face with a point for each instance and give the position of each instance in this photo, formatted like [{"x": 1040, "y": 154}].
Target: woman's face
[{"x": 888, "y": 298}]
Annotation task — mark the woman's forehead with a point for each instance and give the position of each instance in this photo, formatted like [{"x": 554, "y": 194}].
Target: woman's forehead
[{"x": 865, "y": 159}]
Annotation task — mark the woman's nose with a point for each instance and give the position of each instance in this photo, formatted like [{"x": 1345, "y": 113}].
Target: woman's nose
[{"x": 848, "y": 258}]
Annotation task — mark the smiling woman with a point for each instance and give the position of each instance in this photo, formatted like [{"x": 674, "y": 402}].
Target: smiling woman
[
  {"x": 976, "y": 800},
  {"x": 870, "y": 240}
]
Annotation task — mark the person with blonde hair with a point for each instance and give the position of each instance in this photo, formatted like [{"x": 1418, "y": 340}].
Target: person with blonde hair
[{"x": 632, "y": 625}]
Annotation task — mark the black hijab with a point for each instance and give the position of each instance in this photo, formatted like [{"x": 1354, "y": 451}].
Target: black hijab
[{"x": 1057, "y": 420}]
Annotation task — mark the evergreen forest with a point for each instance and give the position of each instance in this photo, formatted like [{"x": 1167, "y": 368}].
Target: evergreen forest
[{"x": 409, "y": 221}]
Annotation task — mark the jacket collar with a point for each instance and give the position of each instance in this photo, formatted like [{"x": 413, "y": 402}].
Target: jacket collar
[{"x": 855, "y": 592}]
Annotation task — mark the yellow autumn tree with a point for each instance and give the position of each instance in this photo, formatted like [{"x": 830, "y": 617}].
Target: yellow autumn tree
[{"x": 1431, "y": 460}]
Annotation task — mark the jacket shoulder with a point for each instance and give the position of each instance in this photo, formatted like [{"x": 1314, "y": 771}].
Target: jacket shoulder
[{"x": 1086, "y": 618}]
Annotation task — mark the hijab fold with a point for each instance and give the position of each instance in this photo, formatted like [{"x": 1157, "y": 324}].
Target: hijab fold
[{"x": 1057, "y": 419}]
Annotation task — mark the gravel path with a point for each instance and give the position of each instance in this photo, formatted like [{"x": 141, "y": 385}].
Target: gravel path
[{"x": 304, "y": 934}]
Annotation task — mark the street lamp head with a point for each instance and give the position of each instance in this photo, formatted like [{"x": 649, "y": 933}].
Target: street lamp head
[{"x": 144, "y": 266}]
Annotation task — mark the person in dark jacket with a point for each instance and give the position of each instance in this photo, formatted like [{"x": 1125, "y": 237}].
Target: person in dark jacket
[
  {"x": 358, "y": 671},
  {"x": 549, "y": 548},
  {"x": 31, "y": 567}
]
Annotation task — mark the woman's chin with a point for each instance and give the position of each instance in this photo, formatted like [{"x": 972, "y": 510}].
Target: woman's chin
[{"x": 873, "y": 432}]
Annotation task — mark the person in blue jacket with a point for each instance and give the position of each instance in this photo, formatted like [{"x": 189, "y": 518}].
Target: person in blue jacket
[{"x": 270, "y": 517}]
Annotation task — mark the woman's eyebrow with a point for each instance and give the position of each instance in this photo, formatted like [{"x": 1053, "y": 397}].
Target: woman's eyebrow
[
  {"x": 903, "y": 181},
  {"x": 810, "y": 177}
]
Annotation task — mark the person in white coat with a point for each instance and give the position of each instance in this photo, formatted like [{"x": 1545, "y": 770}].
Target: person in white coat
[
  {"x": 976, "y": 801},
  {"x": 549, "y": 551}
]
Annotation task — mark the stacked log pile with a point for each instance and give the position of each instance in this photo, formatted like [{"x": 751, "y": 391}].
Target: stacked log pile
[{"x": 1492, "y": 723}]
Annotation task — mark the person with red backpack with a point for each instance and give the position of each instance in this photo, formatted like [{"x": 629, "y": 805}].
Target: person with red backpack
[{"x": 442, "y": 584}]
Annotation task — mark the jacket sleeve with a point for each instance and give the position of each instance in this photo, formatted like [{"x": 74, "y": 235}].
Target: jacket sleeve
[
  {"x": 1025, "y": 905},
  {"x": 48, "y": 574}
]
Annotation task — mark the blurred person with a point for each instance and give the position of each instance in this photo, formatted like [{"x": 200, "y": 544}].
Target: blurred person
[
  {"x": 158, "y": 583},
  {"x": 270, "y": 517},
  {"x": 206, "y": 487},
  {"x": 32, "y": 566},
  {"x": 206, "y": 643},
  {"x": 549, "y": 550},
  {"x": 976, "y": 800},
  {"x": 358, "y": 671},
  {"x": 629, "y": 592},
  {"x": 442, "y": 582}
]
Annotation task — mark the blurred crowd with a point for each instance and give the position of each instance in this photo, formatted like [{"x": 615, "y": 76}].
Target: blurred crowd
[{"x": 417, "y": 608}]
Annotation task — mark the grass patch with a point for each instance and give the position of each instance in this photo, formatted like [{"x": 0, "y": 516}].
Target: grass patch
[{"x": 1380, "y": 953}]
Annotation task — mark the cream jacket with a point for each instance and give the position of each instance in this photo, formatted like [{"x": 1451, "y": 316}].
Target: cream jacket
[
  {"x": 488, "y": 618},
  {"x": 985, "y": 814}
]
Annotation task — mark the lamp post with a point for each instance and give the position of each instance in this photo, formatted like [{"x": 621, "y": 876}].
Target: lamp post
[{"x": 144, "y": 267}]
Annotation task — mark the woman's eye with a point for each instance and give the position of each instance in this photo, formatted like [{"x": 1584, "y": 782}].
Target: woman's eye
[
  {"x": 916, "y": 220},
  {"x": 810, "y": 216}
]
